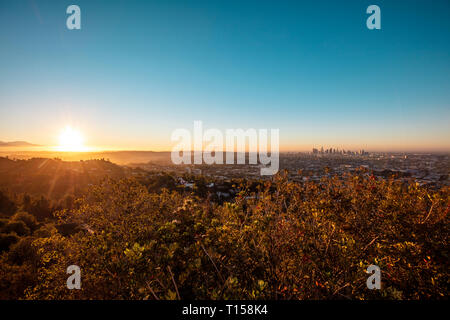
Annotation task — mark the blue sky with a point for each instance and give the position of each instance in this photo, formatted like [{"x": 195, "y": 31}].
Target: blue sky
[{"x": 137, "y": 70}]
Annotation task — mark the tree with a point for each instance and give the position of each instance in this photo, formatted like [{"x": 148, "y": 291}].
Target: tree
[
  {"x": 7, "y": 206},
  {"x": 29, "y": 220},
  {"x": 17, "y": 227}
]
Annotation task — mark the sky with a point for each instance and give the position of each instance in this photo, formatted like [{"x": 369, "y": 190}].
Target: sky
[{"x": 138, "y": 70}]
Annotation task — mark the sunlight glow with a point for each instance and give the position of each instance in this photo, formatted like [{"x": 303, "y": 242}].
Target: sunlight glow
[{"x": 71, "y": 140}]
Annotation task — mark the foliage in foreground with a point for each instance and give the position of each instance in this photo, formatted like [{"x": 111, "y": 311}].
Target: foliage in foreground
[{"x": 284, "y": 241}]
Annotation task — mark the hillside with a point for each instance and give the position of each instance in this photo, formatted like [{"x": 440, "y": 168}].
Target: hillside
[
  {"x": 54, "y": 178},
  {"x": 285, "y": 240}
]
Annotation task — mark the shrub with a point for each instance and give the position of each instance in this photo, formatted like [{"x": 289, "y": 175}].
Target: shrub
[
  {"x": 45, "y": 231},
  {"x": 67, "y": 229},
  {"x": 29, "y": 220},
  {"x": 286, "y": 240},
  {"x": 18, "y": 227},
  {"x": 22, "y": 252},
  {"x": 7, "y": 206},
  {"x": 15, "y": 279},
  {"x": 3, "y": 222},
  {"x": 6, "y": 240}
]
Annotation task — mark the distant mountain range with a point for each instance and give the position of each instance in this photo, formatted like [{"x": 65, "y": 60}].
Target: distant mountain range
[{"x": 17, "y": 144}]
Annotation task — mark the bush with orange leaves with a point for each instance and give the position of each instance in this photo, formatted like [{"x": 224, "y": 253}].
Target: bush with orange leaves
[{"x": 286, "y": 240}]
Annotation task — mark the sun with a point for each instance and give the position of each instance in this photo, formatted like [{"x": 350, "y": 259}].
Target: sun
[{"x": 71, "y": 140}]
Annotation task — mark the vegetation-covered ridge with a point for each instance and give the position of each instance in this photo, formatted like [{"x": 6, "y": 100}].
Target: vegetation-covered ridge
[{"x": 275, "y": 240}]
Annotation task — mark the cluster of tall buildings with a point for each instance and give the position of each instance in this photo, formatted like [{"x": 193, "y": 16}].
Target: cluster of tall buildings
[{"x": 339, "y": 151}]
